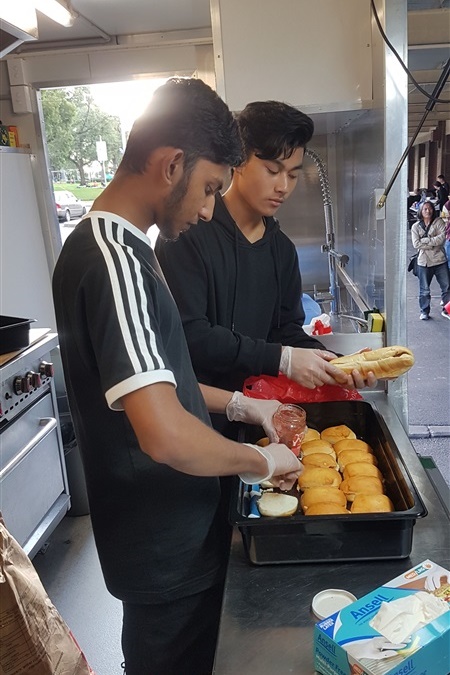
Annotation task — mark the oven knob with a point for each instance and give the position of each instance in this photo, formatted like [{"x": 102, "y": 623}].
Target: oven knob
[
  {"x": 21, "y": 385},
  {"x": 35, "y": 379},
  {"x": 46, "y": 369}
]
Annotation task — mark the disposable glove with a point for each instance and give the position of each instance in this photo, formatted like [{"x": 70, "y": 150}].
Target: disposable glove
[
  {"x": 373, "y": 648},
  {"x": 253, "y": 411},
  {"x": 283, "y": 467},
  {"x": 310, "y": 367}
]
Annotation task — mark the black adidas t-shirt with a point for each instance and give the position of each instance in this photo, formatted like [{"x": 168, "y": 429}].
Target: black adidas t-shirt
[{"x": 156, "y": 529}]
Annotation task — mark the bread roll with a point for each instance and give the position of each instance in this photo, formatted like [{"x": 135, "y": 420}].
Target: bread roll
[
  {"x": 313, "y": 476},
  {"x": 337, "y": 433},
  {"x": 367, "y": 485},
  {"x": 326, "y": 510},
  {"x": 385, "y": 363},
  {"x": 361, "y": 469},
  {"x": 371, "y": 504},
  {"x": 263, "y": 442},
  {"x": 322, "y": 495},
  {"x": 320, "y": 459},
  {"x": 311, "y": 435},
  {"x": 351, "y": 444},
  {"x": 349, "y": 456},
  {"x": 277, "y": 505},
  {"x": 318, "y": 445}
]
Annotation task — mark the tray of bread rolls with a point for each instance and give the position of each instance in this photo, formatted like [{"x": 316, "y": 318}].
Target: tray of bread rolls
[{"x": 354, "y": 500}]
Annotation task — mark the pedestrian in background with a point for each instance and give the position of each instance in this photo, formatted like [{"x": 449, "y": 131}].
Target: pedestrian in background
[{"x": 428, "y": 237}]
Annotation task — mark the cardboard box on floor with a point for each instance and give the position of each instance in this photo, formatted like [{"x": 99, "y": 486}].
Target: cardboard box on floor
[{"x": 346, "y": 644}]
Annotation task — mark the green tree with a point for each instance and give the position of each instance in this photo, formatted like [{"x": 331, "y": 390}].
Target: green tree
[
  {"x": 91, "y": 123},
  {"x": 59, "y": 116},
  {"x": 73, "y": 124}
]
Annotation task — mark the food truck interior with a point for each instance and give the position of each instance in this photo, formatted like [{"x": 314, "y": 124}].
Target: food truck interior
[{"x": 347, "y": 218}]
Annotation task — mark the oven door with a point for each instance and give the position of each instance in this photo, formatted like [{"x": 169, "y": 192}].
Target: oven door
[{"x": 31, "y": 471}]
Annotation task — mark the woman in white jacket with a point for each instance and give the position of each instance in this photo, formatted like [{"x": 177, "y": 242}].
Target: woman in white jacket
[{"x": 428, "y": 237}]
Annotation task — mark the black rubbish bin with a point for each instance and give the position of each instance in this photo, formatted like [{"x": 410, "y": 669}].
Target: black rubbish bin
[{"x": 74, "y": 466}]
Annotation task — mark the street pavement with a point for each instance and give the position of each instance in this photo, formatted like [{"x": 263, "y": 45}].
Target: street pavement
[{"x": 429, "y": 379}]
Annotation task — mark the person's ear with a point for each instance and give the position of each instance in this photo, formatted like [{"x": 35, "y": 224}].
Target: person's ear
[{"x": 173, "y": 165}]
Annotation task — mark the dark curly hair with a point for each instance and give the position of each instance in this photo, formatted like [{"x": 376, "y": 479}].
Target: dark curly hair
[
  {"x": 273, "y": 129},
  {"x": 184, "y": 113}
]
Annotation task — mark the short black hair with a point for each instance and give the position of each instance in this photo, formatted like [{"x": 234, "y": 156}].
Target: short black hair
[
  {"x": 441, "y": 175},
  {"x": 273, "y": 129},
  {"x": 184, "y": 113}
]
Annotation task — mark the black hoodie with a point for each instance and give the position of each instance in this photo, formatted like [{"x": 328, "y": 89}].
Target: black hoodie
[{"x": 239, "y": 301}]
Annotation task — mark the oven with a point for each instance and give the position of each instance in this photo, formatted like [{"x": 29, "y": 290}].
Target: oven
[{"x": 34, "y": 494}]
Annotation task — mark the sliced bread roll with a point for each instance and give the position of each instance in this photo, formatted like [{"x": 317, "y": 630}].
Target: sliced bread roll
[
  {"x": 337, "y": 433},
  {"x": 322, "y": 509},
  {"x": 322, "y": 495},
  {"x": 361, "y": 469},
  {"x": 320, "y": 459},
  {"x": 386, "y": 363},
  {"x": 311, "y": 435},
  {"x": 349, "y": 456},
  {"x": 371, "y": 504},
  {"x": 367, "y": 485},
  {"x": 277, "y": 505},
  {"x": 317, "y": 445},
  {"x": 313, "y": 476},
  {"x": 351, "y": 444},
  {"x": 263, "y": 442}
]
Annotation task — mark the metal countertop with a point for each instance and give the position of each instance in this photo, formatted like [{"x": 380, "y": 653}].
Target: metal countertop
[{"x": 267, "y": 623}]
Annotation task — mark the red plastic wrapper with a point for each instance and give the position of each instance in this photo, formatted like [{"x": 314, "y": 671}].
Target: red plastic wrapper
[
  {"x": 283, "y": 389},
  {"x": 320, "y": 328}
]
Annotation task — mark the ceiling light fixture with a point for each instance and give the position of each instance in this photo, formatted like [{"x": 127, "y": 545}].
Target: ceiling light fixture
[{"x": 56, "y": 11}]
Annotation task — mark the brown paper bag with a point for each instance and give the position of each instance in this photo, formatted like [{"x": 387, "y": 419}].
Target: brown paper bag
[{"x": 34, "y": 640}]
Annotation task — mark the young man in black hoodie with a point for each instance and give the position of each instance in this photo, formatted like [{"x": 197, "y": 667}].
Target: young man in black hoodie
[{"x": 236, "y": 280}]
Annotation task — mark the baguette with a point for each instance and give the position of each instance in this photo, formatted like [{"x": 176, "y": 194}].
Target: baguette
[{"x": 385, "y": 363}]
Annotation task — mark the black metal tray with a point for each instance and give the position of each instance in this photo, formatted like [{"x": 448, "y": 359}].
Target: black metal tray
[
  {"x": 14, "y": 333},
  {"x": 303, "y": 539}
]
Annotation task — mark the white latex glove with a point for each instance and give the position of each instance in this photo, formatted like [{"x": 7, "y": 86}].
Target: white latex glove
[
  {"x": 253, "y": 411},
  {"x": 372, "y": 648},
  {"x": 311, "y": 367},
  {"x": 433, "y": 580},
  {"x": 283, "y": 467}
]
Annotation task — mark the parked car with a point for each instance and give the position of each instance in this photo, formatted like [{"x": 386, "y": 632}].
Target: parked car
[{"x": 68, "y": 206}]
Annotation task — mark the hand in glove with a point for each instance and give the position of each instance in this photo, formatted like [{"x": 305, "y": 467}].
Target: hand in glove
[
  {"x": 253, "y": 411},
  {"x": 311, "y": 368},
  {"x": 283, "y": 467}
]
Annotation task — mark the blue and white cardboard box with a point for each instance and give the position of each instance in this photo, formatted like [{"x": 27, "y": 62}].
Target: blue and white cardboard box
[{"x": 346, "y": 643}]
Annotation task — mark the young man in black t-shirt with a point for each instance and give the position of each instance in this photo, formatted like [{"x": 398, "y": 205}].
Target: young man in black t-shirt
[{"x": 151, "y": 459}]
